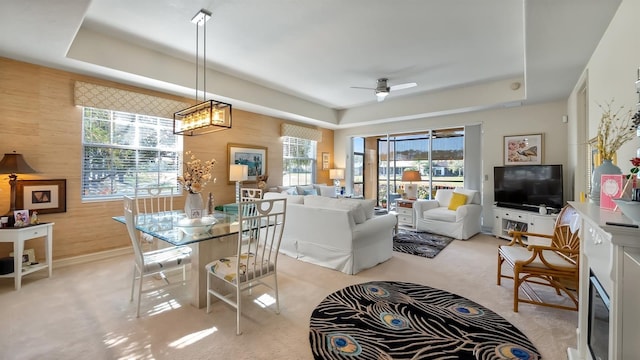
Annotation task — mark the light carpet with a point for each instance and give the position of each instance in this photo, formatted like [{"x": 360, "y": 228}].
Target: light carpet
[
  {"x": 83, "y": 311},
  {"x": 419, "y": 243},
  {"x": 399, "y": 320}
]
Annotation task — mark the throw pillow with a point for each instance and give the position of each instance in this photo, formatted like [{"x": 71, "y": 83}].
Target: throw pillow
[
  {"x": 457, "y": 200},
  {"x": 303, "y": 188},
  {"x": 291, "y": 191},
  {"x": 471, "y": 194},
  {"x": 310, "y": 192}
]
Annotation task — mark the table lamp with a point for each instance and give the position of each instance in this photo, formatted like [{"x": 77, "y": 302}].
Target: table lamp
[
  {"x": 411, "y": 189},
  {"x": 336, "y": 175},
  {"x": 238, "y": 173},
  {"x": 14, "y": 164}
]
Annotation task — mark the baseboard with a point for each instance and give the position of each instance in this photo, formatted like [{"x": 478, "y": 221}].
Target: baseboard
[{"x": 82, "y": 259}]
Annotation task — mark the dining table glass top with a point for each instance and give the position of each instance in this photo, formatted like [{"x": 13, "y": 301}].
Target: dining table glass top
[{"x": 175, "y": 228}]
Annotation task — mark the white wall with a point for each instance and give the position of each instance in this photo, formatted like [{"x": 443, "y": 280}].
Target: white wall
[
  {"x": 535, "y": 119},
  {"x": 611, "y": 74}
]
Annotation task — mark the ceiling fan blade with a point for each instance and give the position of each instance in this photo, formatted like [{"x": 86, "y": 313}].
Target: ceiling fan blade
[
  {"x": 402, "y": 86},
  {"x": 360, "y": 87}
]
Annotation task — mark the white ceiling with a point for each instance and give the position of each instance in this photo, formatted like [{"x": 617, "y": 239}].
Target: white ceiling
[{"x": 298, "y": 59}]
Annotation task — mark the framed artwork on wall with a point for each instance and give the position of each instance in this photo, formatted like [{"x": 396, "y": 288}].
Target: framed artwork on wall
[
  {"x": 325, "y": 161},
  {"x": 523, "y": 149},
  {"x": 255, "y": 157},
  {"x": 43, "y": 196}
]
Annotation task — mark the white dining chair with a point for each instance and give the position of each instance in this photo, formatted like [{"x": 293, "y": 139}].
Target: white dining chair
[
  {"x": 261, "y": 223},
  {"x": 153, "y": 201},
  {"x": 156, "y": 262}
]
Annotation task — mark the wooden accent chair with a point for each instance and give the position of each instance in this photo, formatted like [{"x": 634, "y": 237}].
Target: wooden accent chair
[{"x": 556, "y": 265}]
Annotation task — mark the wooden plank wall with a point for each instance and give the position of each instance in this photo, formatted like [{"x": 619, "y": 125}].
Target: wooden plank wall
[{"x": 39, "y": 120}]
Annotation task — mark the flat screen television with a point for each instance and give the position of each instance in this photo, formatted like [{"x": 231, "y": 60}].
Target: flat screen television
[{"x": 528, "y": 186}]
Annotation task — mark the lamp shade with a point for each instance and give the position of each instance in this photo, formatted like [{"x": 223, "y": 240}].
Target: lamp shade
[
  {"x": 238, "y": 172},
  {"x": 411, "y": 175},
  {"x": 336, "y": 174},
  {"x": 15, "y": 164}
]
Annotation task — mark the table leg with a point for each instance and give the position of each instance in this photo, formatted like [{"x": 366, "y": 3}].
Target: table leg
[
  {"x": 48, "y": 249},
  {"x": 18, "y": 248}
]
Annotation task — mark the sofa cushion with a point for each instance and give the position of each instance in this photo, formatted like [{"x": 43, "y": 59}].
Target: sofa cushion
[
  {"x": 368, "y": 205},
  {"x": 457, "y": 200},
  {"x": 471, "y": 195},
  {"x": 283, "y": 188},
  {"x": 327, "y": 191},
  {"x": 440, "y": 213}
]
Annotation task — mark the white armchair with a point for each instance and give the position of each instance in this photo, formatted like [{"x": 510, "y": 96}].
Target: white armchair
[{"x": 439, "y": 217}]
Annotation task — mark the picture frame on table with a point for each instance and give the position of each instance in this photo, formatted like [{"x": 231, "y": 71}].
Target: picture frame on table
[
  {"x": 254, "y": 156},
  {"x": 523, "y": 149},
  {"x": 28, "y": 256},
  {"x": 43, "y": 196}
]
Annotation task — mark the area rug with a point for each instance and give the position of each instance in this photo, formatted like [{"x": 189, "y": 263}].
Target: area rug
[
  {"x": 399, "y": 320},
  {"x": 419, "y": 243}
]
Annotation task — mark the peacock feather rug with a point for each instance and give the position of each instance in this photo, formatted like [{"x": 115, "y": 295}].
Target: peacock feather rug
[
  {"x": 419, "y": 243},
  {"x": 399, "y": 320}
]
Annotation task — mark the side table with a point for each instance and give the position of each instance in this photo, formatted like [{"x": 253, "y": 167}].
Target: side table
[
  {"x": 404, "y": 208},
  {"x": 18, "y": 236}
]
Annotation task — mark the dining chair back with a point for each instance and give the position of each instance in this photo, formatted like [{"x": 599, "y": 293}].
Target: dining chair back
[
  {"x": 157, "y": 262},
  {"x": 260, "y": 233},
  {"x": 152, "y": 201}
]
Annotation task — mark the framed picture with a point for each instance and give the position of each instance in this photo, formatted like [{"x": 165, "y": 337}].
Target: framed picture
[
  {"x": 43, "y": 196},
  {"x": 325, "y": 161},
  {"x": 21, "y": 217},
  {"x": 523, "y": 149},
  {"x": 255, "y": 157},
  {"x": 28, "y": 256}
]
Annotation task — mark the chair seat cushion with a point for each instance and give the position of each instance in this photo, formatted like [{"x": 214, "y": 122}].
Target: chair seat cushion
[
  {"x": 225, "y": 268},
  {"x": 441, "y": 214},
  {"x": 519, "y": 253},
  {"x": 165, "y": 259}
]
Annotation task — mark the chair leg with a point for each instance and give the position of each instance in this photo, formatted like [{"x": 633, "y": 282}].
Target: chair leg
[
  {"x": 133, "y": 282},
  {"x": 500, "y": 260},
  {"x": 139, "y": 295},
  {"x": 516, "y": 287},
  {"x": 238, "y": 310},
  {"x": 275, "y": 277},
  {"x": 208, "y": 292}
]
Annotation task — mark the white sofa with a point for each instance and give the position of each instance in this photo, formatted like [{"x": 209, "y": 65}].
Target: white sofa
[
  {"x": 341, "y": 234},
  {"x": 435, "y": 216},
  {"x": 315, "y": 189}
]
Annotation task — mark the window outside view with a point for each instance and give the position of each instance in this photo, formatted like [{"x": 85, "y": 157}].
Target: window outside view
[
  {"x": 298, "y": 161},
  {"x": 438, "y": 156}
]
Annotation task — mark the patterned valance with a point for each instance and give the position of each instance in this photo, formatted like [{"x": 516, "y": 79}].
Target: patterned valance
[
  {"x": 104, "y": 97},
  {"x": 301, "y": 132}
]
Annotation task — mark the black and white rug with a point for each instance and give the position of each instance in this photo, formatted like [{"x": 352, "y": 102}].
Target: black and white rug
[
  {"x": 398, "y": 320},
  {"x": 419, "y": 243}
]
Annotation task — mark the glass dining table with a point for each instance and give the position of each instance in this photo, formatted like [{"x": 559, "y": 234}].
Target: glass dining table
[{"x": 210, "y": 238}]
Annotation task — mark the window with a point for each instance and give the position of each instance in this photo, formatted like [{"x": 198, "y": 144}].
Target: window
[
  {"x": 298, "y": 161},
  {"x": 122, "y": 151},
  {"x": 437, "y": 154},
  {"x": 358, "y": 166}
]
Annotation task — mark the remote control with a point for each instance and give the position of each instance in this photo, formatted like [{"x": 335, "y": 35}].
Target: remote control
[{"x": 622, "y": 224}]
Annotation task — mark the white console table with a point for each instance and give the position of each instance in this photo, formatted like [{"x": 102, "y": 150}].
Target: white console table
[
  {"x": 18, "y": 236},
  {"x": 506, "y": 219},
  {"x": 612, "y": 253}
]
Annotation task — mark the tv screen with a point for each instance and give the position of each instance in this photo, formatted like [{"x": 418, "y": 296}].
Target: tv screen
[{"x": 521, "y": 186}]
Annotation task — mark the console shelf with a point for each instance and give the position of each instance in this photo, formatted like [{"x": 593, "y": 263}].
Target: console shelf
[{"x": 507, "y": 219}]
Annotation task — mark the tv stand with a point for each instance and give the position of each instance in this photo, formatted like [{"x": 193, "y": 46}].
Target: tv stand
[
  {"x": 523, "y": 207},
  {"x": 508, "y": 219}
]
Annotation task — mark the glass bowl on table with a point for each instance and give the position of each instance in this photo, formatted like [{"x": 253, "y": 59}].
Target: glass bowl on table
[
  {"x": 630, "y": 209},
  {"x": 196, "y": 227}
]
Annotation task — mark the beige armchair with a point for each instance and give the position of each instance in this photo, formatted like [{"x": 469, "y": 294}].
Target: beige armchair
[{"x": 453, "y": 212}]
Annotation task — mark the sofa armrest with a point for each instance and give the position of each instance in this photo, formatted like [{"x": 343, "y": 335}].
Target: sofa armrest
[
  {"x": 473, "y": 210},
  {"x": 375, "y": 225},
  {"x": 420, "y": 206}
]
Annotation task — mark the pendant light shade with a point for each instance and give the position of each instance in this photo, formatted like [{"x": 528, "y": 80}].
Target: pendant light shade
[{"x": 210, "y": 115}]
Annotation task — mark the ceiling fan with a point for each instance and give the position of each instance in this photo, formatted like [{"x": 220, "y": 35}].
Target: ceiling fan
[{"x": 383, "y": 89}]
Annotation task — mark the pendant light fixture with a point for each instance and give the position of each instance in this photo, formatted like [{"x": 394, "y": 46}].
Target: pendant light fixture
[{"x": 210, "y": 115}]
